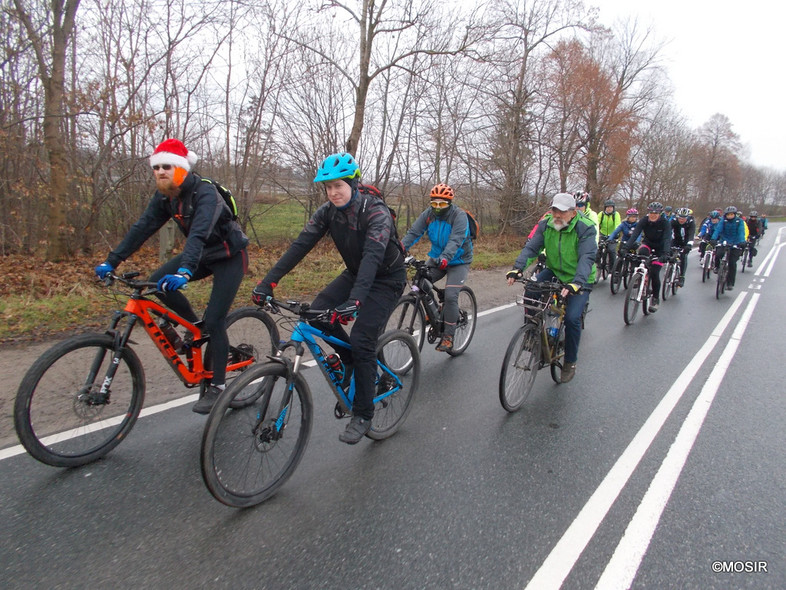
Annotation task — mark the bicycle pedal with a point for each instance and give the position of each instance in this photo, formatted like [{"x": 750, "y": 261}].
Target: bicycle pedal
[{"x": 338, "y": 412}]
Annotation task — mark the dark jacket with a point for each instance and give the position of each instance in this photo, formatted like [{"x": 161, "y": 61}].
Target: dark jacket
[
  {"x": 202, "y": 216},
  {"x": 683, "y": 233},
  {"x": 362, "y": 232},
  {"x": 657, "y": 235}
]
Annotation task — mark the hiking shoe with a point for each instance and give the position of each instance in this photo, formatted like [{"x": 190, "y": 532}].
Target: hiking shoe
[
  {"x": 356, "y": 429},
  {"x": 682, "y": 282},
  {"x": 654, "y": 305},
  {"x": 568, "y": 372},
  {"x": 445, "y": 344},
  {"x": 205, "y": 403}
]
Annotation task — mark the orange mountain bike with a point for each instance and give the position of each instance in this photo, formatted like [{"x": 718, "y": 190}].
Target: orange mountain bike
[{"x": 81, "y": 398}]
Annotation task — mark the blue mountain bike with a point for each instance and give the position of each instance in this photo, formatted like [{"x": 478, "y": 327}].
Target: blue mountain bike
[{"x": 258, "y": 429}]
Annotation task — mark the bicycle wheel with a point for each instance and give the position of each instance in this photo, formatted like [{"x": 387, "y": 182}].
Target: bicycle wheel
[
  {"x": 631, "y": 308},
  {"x": 465, "y": 327},
  {"x": 744, "y": 259},
  {"x": 408, "y": 316},
  {"x": 555, "y": 368},
  {"x": 627, "y": 274},
  {"x": 60, "y": 415},
  {"x": 720, "y": 285},
  {"x": 706, "y": 269},
  {"x": 676, "y": 273},
  {"x": 645, "y": 301},
  {"x": 666, "y": 283},
  {"x": 520, "y": 367},
  {"x": 616, "y": 275},
  {"x": 248, "y": 453},
  {"x": 398, "y": 353},
  {"x": 252, "y": 334}
]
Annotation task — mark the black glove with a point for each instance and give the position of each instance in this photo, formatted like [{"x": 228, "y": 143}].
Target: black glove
[
  {"x": 574, "y": 288},
  {"x": 262, "y": 292},
  {"x": 663, "y": 258},
  {"x": 346, "y": 312},
  {"x": 514, "y": 274}
]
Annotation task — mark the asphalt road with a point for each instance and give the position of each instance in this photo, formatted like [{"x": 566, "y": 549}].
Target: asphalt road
[{"x": 660, "y": 466}]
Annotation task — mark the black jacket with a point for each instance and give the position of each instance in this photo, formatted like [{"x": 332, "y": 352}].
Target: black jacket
[
  {"x": 202, "y": 216},
  {"x": 657, "y": 235},
  {"x": 363, "y": 235},
  {"x": 683, "y": 233}
]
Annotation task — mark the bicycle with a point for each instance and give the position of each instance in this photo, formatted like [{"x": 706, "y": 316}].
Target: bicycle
[
  {"x": 603, "y": 259},
  {"x": 623, "y": 270},
  {"x": 723, "y": 270},
  {"x": 671, "y": 274},
  {"x": 82, "y": 397},
  {"x": 539, "y": 343},
  {"x": 707, "y": 261},
  {"x": 747, "y": 253},
  {"x": 418, "y": 308},
  {"x": 639, "y": 291},
  {"x": 249, "y": 450}
]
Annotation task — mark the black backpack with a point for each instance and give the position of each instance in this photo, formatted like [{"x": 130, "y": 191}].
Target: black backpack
[{"x": 225, "y": 194}]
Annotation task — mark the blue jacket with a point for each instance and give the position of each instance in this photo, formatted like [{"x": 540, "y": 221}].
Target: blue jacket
[
  {"x": 732, "y": 231},
  {"x": 448, "y": 234},
  {"x": 707, "y": 228},
  {"x": 625, "y": 228}
]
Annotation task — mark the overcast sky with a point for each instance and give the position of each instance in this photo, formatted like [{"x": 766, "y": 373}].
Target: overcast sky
[{"x": 722, "y": 57}]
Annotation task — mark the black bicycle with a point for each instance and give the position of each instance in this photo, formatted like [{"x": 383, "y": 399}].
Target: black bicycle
[
  {"x": 603, "y": 259},
  {"x": 623, "y": 271},
  {"x": 420, "y": 313}
]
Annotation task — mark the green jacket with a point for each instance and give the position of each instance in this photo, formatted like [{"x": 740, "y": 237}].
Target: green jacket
[{"x": 570, "y": 252}]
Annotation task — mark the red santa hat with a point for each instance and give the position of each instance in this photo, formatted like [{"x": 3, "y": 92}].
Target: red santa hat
[{"x": 172, "y": 151}]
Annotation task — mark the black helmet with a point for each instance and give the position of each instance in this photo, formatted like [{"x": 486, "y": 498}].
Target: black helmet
[
  {"x": 655, "y": 207},
  {"x": 730, "y": 209},
  {"x": 667, "y": 208},
  {"x": 609, "y": 203}
]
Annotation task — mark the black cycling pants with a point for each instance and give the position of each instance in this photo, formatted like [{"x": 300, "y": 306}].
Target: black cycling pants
[{"x": 227, "y": 275}]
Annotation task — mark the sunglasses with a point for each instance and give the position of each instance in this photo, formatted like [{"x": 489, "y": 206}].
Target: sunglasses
[
  {"x": 440, "y": 204},
  {"x": 156, "y": 167}
]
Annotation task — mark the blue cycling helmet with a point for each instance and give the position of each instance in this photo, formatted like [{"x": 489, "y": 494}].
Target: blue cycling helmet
[
  {"x": 338, "y": 166},
  {"x": 715, "y": 214}
]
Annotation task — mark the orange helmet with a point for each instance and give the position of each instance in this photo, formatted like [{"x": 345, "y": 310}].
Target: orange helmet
[{"x": 442, "y": 191}]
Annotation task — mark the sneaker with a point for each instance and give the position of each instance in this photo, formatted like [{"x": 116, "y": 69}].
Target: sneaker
[
  {"x": 568, "y": 372},
  {"x": 729, "y": 287},
  {"x": 654, "y": 304},
  {"x": 682, "y": 282},
  {"x": 356, "y": 429},
  {"x": 205, "y": 403},
  {"x": 750, "y": 264},
  {"x": 445, "y": 344}
]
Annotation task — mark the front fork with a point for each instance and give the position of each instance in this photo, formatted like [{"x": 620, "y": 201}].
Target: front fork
[{"x": 120, "y": 340}]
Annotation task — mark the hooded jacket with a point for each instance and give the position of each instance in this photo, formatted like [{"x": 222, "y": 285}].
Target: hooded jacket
[{"x": 448, "y": 234}]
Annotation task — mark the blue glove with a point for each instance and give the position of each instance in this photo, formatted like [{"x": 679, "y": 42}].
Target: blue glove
[
  {"x": 174, "y": 282},
  {"x": 345, "y": 312},
  {"x": 103, "y": 269}
]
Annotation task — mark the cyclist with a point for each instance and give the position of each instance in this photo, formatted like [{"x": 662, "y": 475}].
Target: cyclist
[
  {"x": 656, "y": 240},
  {"x": 705, "y": 233},
  {"x": 362, "y": 229},
  {"x": 754, "y": 234},
  {"x": 608, "y": 220},
  {"x": 583, "y": 206},
  {"x": 667, "y": 213},
  {"x": 763, "y": 224},
  {"x": 569, "y": 241},
  {"x": 730, "y": 229},
  {"x": 451, "y": 251},
  {"x": 625, "y": 228},
  {"x": 215, "y": 245},
  {"x": 683, "y": 231}
]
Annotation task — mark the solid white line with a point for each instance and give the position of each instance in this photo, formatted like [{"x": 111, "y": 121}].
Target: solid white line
[
  {"x": 563, "y": 556},
  {"x": 627, "y": 557},
  {"x": 495, "y": 309}
]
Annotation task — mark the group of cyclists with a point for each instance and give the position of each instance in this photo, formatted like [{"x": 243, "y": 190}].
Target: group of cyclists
[{"x": 364, "y": 233}]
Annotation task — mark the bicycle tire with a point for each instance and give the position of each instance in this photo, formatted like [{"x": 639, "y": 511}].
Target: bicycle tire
[
  {"x": 245, "y": 457},
  {"x": 398, "y": 352},
  {"x": 616, "y": 276},
  {"x": 706, "y": 267},
  {"x": 631, "y": 307},
  {"x": 676, "y": 273},
  {"x": 468, "y": 316},
  {"x": 555, "y": 367},
  {"x": 408, "y": 315},
  {"x": 744, "y": 259},
  {"x": 251, "y": 332},
  {"x": 520, "y": 367},
  {"x": 667, "y": 282},
  {"x": 627, "y": 275},
  {"x": 720, "y": 285},
  {"x": 57, "y": 415},
  {"x": 645, "y": 302}
]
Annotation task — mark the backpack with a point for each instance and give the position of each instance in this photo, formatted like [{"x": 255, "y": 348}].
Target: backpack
[
  {"x": 225, "y": 194},
  {"x": 372, "y": 191}
]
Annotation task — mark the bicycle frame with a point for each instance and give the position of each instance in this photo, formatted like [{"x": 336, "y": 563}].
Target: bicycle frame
[
  {"x": 305, "y": 333},
  {"x": 138, "y": 308},
  {"x": 643, "y": 270}
]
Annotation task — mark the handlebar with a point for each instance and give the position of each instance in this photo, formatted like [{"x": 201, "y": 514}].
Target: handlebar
[
  {"x": 128, "y": 279},
  {"x": 302, "y": 309}
]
